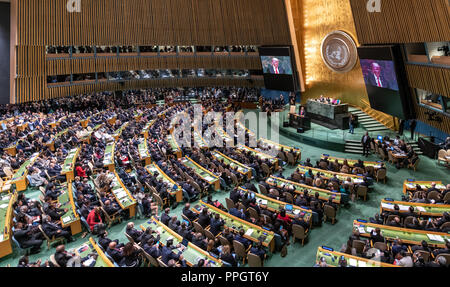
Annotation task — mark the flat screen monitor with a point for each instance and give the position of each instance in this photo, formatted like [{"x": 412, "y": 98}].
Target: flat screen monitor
[
  {"x": 384, "y": 76},
  {"x": 278, "y": 68}
]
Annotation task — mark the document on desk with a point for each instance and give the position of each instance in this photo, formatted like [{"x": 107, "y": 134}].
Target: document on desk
[
  {"x": 120, "y": 193},
  {"x": 209, "y": 178},
  {"x": 66, "y": 219},
  {"x": 362, "y": 263},
  {"x": 353, "y": 262},
  {"x": 387, "y": 205},
  {"x": 420, "y": 208},
  {"x": 263, "y": 201},
  {"x": 362, "y": 230},
  {"x": 435, "y": 237},
  {"x": 369, "y": 229},
  {"x": 296, "y": 211},
  {"x": 249, "y": 232},
  {"x": 403, "y": 207},
  {"x": 4, "y": 206}
]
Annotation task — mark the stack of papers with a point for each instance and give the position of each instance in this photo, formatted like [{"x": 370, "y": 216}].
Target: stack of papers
[
  {"x": 249, "y": 232},
  {"x": 420, "y": 208},
  {"x": 387, "y": 205},
  {"x": 353, "y": 262},
  {"x": 262, "y": 201},
  {"x": 362, "y": 263},
  {"x": 120, "y": 193},
  {"x": 403, "y": 207},
  {"x": 435, "y": 237},
  {"x": 361, "y": 230},
  {"x": 296, "y": 211},
  {"x": 66, "y": 219},
  {"x": 369, "y": 229}
]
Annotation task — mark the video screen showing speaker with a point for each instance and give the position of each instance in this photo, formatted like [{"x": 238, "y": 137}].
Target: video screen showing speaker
[
  {"x": 278, "y": 68},
  {"x": 386, "y": 85}
]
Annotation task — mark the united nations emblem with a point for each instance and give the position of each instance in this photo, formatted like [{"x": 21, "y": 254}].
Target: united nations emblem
[{"x": 339, "y": 51}]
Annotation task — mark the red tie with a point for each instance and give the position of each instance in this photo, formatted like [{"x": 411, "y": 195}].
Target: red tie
[
  {"x": 379, "y": 82},
  {"x": 276, "y": 71}
]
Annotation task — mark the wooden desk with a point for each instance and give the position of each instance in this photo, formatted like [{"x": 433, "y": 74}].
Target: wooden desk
[
  {"x": 198, "y": 139},
  {"x": 409, "y": 236},
  {"x": 410, "y": 186},
  {"x": 332, "y": 259},
  {"x": 144, "y": 154},
  {"x": 122, "y": 195},
  {"x": 356, "y": 179},
  {"x": 252, "y": 232},
  {"x": 422, "y": 209},
  {"x": 191, "y": 254},
  {"x": 70, "y": 218},
  {"x": 301, "y": 188},
  {"x": 242, "y": 169},
  {"x": 92, "y": 247},
  {"x": 154, "y": 168},
  {"x": 20, "y": 177},
  {"x": 147, "y": 128},
  {"x": 174, "y": 145},
  {"x": 6, "y": 216},
  {"x": 260, "y": 155},
  {"x": 203, "y": 173},
  {"x": 376, "y": 165},
  {"x": 118, "y": 132},
  {"x": 108, "y": 160},
  {"x": 68, "y": 168},
  {"x": 274, "y": 205}
]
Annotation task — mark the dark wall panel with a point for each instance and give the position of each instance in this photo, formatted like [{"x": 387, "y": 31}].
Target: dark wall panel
[
  {"x": 4, "y": 52},
  {"x": 140, "y": 22}
]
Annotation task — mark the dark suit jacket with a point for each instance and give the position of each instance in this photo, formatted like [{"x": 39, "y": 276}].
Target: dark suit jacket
[
  {"x": 272, "y": 69},
  {"x": 204, "y": 220},
  {"x": 385, "y": 83},
  {"x": 216, "y": 226}
]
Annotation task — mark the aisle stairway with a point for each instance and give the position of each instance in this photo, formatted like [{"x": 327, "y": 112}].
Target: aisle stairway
[{"x": 367, "y": 122}]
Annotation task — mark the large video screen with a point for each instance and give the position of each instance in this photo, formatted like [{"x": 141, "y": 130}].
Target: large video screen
[
  {"x": 385, "y": 85},
  {"x": 380, "y": 74},
  {"x": 276, "y": 65},
  {"x": 278, "y": 69}
]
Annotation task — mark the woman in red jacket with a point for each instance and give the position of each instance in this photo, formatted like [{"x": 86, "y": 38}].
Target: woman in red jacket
[
  {"x": 80, "y": 171},
  {"x": 94, "y": 218},
  {"x": 283, "y": 217}
]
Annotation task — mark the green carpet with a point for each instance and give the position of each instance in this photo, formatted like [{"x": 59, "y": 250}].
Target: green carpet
[{"x": 330, "y": 235}]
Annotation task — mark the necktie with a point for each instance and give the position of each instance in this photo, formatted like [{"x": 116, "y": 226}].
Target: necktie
[{"x": 379, "y": 82}]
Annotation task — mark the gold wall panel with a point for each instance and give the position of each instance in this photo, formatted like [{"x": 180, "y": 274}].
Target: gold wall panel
[{"x": 314, "y": 19}]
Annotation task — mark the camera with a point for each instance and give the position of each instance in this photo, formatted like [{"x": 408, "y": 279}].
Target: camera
[{"x": 444, "y": 49}]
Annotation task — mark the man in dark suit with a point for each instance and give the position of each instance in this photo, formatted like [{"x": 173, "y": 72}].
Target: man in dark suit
[
  {"x": 274, "y": 67},
  {"x": 365, "y": 141},
  {"x": 53, "y": 229},
  {"x": 114, "y": 252},
  {"x": 189, "y": 213},
  {"x": 258, "y": 250},
  {"x": 167, "y": 253},
  {"x": 165, "y": 217},
  {"x": 27, "y": 238},
  {"x": 240, "y": 238},
  {"x": 376, "y": 77},
  {"x": 216, "y": 224},
  {"x": 133, "y": 233},
  {"x": 204, "y": 219}
]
